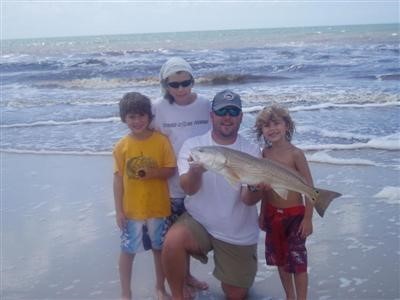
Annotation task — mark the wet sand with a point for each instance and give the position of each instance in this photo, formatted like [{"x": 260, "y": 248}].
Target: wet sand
[{"x": 59, "y": 239}]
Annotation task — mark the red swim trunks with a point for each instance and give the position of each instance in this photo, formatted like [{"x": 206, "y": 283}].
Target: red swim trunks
[{"x": 283, "y": 245}]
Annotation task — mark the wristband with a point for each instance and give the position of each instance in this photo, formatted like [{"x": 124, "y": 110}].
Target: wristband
[{"x": 252, "y": 188}]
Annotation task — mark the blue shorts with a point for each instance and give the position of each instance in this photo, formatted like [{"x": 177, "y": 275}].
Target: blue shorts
[{"x": 139, "y": 236}]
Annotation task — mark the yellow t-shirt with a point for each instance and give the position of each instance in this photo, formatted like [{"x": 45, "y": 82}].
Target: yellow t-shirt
[{"x": 144, "y": 199}]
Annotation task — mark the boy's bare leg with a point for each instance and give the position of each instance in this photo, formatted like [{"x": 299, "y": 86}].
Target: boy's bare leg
[
  {"x": 287, "y": 283},
  {"x": 125, "y": 274},
  {"x": 161, "y": 292},
  {"x": 301, "y": 282}
]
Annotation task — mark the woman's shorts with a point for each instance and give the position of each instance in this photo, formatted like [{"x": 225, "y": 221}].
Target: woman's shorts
[{"x": 177, "y": 208}]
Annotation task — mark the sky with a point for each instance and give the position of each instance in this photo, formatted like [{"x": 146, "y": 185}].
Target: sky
[{"x": 46, "y": 18}]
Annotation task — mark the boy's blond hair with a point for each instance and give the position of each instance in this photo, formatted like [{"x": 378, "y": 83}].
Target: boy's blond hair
[{"x": 273, "y": 113}]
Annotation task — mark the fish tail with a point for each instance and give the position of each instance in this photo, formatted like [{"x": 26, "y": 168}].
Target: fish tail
[{"x": 322, "y": 199}]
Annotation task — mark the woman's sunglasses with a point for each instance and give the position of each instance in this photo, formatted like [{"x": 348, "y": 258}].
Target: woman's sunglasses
[
  {"x": 230, "y": 110},
  {"x": 176, "y": 84}
]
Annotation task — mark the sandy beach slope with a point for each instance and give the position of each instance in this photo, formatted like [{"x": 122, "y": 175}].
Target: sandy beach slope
[{"x": 59, "y": 239}]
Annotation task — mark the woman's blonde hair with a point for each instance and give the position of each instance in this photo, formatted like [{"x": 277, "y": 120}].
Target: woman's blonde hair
[{"x": 273, "y": 113}]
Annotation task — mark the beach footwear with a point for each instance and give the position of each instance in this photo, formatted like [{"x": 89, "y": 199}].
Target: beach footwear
[
  {"x": 197, "y": 284},
  {"x": 162, "y": 295},
  {"x": 189, "y": 292}
]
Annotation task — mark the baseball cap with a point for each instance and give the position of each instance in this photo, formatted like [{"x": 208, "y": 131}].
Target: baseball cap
[{"x": 226, "y": 98}]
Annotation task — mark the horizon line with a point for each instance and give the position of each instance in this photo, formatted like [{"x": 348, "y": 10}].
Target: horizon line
[{"x": 191, "y": 31}]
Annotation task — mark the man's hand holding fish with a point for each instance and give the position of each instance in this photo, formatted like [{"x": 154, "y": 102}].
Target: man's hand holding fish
[{"x": 251, "y": 194}]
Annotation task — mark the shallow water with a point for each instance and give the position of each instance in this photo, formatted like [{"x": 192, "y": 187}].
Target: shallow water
[{"x": 60, "y": 241}]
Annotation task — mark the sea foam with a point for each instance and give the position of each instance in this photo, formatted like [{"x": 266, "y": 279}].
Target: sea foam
[
  {"x": 389, "y": 194},
  {"x": 324, "y": 157}
]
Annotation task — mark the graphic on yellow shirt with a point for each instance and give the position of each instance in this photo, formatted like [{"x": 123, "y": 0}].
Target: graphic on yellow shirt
[{"x": 136, "y": 167}]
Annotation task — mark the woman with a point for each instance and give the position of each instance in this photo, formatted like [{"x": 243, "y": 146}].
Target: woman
[{"x": 180, "y": 114}]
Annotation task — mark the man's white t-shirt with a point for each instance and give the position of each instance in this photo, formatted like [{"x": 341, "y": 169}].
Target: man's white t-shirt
[
  {"x": 217, "y": 205},
  {"x": 180, "y": 122}
]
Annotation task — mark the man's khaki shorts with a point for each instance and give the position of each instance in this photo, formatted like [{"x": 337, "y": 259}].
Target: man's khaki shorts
[{"x": 234, "y": 264}]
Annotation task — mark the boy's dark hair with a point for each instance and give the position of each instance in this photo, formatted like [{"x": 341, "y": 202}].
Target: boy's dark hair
[{"x": 134, "y": 103}]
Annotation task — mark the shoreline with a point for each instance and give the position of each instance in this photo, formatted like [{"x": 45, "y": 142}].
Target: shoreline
[{"x": 59, "y": 238}]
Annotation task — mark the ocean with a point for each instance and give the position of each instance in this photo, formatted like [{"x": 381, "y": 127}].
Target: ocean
[
  {"x": 341, "y": 84},
  {"x": 59, "y": 122}
]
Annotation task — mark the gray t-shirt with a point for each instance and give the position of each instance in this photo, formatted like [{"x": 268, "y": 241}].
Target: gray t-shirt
[{"x": 180, "y": 122}]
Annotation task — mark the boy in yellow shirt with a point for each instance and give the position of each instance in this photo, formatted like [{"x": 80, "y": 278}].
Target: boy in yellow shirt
[{"x": 143, "y": 161}]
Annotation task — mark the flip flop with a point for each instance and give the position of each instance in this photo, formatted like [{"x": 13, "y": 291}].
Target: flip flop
[
  {"x": 197, "y": 284},
  {"x": 159, "y": 295},
  {"x": 188, "y": 292}
]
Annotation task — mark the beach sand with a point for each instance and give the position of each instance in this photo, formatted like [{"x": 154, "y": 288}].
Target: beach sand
[{"x": 59, "y": 239}]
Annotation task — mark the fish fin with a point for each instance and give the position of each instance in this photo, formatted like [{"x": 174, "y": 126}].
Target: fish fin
[
  {"x": 322, "y": 199},
  {"x": 283, "y": 193}
]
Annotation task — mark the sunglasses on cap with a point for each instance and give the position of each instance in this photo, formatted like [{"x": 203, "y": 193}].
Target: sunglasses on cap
[
  {"x": 230, "y": 110},
  {"x": 176, "y": 84}
]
